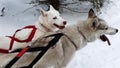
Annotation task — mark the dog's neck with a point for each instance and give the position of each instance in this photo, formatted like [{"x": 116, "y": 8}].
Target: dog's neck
[
  {"x": 85, "y": 38},
  {"x": 47, "y": 29},
  {"x": 39, "y": 24},
  {"x": 81, "y": 33},
  {"x": 42, "y": 27},
  {"x": 71, "y": 41}
]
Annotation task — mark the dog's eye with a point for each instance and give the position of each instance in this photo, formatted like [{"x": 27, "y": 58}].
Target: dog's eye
[
  {"x": 54, "y": 17},
  {"x": 106, "y": 28}
]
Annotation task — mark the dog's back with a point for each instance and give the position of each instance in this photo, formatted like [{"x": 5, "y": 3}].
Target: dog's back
[{"x": 75, "y": 37}]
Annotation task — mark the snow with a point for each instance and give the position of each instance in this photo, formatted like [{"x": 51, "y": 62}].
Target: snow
[
  {"x": 96, "y": 55},
  {"x": 99, "y": 54}
]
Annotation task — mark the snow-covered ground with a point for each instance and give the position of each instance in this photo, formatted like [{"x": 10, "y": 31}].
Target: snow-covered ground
[{"x": 96, "y": 55}]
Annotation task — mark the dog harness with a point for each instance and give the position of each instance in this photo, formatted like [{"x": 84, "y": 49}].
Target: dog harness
[
  {"x": 30, "y": 37},
  {"x": 39, "y": 56}
]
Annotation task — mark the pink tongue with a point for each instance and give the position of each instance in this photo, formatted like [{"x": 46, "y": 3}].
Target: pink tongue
[{"x": 104, "y": 38}]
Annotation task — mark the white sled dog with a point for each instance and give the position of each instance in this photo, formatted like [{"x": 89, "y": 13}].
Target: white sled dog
[
  {"x": 75, "y": 37},
  {"x": 47, "y": 22}
]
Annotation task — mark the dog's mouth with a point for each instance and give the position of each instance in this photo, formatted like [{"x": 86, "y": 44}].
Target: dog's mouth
[
  {"x": 58, "y": 26},
  {"x": 104, "y": 38}
]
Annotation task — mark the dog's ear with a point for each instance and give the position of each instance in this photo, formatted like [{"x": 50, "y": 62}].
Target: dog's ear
[
  {"x": 43, "y": 12},
  {"x": 94, "y": 25},
  {"x": 91, "y": 13},
  {"x": 51, "y": 8}
]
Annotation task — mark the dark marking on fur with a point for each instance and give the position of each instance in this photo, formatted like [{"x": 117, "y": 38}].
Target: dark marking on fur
[{"x": 91, "y": 13}]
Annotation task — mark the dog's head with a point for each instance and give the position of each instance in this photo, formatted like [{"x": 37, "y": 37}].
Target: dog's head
[
  {"x": 52, "y": 19},
  {"x": 99, "y": 27}
]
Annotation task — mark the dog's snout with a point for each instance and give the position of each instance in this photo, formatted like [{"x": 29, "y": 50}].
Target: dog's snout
[
  {"x": 64, "y": 22},
  {"x": 116, "y": 30}
]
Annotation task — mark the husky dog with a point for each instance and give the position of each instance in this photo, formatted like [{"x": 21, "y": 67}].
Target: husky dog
[
  {"x": 75, "y": 37},
  {"x": 47, "y": 22}
]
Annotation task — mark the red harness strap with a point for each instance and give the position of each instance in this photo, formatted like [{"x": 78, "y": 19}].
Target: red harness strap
[{"x": 18, "y": 40}]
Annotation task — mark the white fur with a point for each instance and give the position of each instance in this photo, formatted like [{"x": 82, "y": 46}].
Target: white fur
[
  {"x": 46, "y": 19},
  {"x": 81, "y": 34}
]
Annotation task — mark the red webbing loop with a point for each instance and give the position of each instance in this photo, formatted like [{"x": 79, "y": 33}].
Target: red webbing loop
[{"x": 18, "y": 40}]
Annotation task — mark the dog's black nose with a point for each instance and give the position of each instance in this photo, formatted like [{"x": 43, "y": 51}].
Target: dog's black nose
[
  {"x": 116, "y": 30},
  {"x": 64, "y": 22}
]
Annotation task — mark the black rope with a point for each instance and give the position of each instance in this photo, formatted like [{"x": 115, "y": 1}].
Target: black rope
[
  {"x": 29, "y": 49},
  {"x": 50, "y": 44},
  {"x": 16, "y": 58}
]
